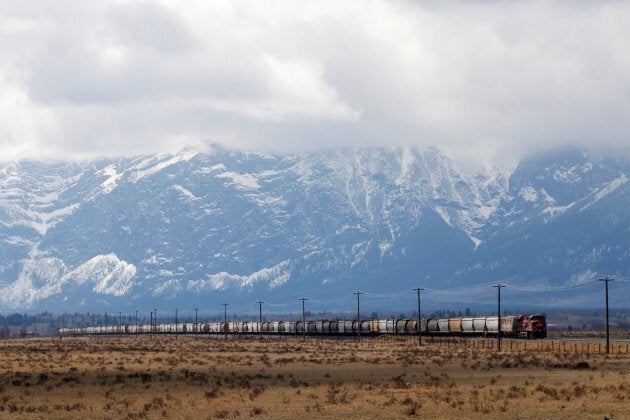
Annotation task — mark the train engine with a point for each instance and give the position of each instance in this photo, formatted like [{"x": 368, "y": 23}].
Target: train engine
[{"x": 531, "y": 326}]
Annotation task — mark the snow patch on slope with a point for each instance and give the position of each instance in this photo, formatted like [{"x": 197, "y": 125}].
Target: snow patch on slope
[
  {"x": 153, "y": 165},
  {"x": 407, "y": 163},
  {"x": 571, "y": 175},
  {"x": 529, "y": 194},
  {"x": 44, "y": 277},
  {"x": 38, "y": 279},
  {"x": 110, "y": 275},
  {"x": 607, "y": 189},
  {"x": 243, "y": 181},
  {"x": 557, "y": 210},
  {"x": 275, "y": 276},
  {"x": 186, "y": 193},
  {"x": 111, "y": 182}
]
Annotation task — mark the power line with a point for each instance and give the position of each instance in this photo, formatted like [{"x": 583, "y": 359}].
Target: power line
[
  {"x": 523, "y": 290},
  {"x": 458, "y": 291},
  {"x": 389, "y": 295},
  {"x": 552, "y": 289},
  {"x": 446, "y": 292}
]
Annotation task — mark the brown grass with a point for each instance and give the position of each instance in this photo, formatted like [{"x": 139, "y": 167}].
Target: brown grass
[{"x": 136, "y": 377}]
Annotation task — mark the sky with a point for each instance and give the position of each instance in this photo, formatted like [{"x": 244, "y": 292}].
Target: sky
[{"x": 480, "y": 80}]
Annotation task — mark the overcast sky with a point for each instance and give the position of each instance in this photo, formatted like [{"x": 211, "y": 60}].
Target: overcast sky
[{"x": 482, "y": 79}]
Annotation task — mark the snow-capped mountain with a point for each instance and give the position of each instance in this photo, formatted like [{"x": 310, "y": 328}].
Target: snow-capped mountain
[{"x": 199, "y": 228}]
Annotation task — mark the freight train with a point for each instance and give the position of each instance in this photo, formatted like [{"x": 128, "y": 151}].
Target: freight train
[{"x": 516, "y": 326}]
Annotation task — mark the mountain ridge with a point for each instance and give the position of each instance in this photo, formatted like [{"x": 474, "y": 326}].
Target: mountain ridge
[{"x": 198, "y": 227}]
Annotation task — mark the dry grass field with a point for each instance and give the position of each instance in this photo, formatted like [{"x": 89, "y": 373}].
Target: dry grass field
[{"x": 136, "y": 377}]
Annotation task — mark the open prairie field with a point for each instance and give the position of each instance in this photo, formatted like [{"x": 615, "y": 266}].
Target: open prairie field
[{"x": 164, "y": 377}]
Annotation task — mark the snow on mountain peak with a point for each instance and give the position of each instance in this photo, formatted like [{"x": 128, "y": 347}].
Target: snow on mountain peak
[
  {"x": 151, "y": 165},
  {"x": 199, "y": 224}
]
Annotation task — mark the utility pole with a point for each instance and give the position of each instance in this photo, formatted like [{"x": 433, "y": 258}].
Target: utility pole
[
  {"x": 358, "y": 313},
  {"x": 303, "y": 319},
  {"x": 155, "y": 320},
  {"x": 176, "y": 323},
  {"x": 119, "y": 321},
  {"x": 137, "y": 326},
  {"x": 105, "y": 322},
  {"x": 606, "y": 280},
  {"x": 260, "y": 302},
  {"x": 419, "y": 317},
  {"x": 225, "y": 325},
  {"x": 196, "y": 324},
  {"x": 499, "y": 286}
]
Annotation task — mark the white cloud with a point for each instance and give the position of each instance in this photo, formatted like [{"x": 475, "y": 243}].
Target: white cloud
[
  {"x": 477, "y": 79},
  {"x": 294, "y": 89}
]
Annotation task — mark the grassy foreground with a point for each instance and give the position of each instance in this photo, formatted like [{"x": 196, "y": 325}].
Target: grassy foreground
[{"x": 136, "y": 377}]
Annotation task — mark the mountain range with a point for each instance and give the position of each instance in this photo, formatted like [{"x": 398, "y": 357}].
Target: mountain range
[{"x": 195, "y": 229}]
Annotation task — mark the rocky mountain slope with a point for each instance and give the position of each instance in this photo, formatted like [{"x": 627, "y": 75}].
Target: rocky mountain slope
[{"x": 197, "y": 229}]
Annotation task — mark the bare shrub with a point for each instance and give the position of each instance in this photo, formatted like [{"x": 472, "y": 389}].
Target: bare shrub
[{"x": 257, "y": 411}]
